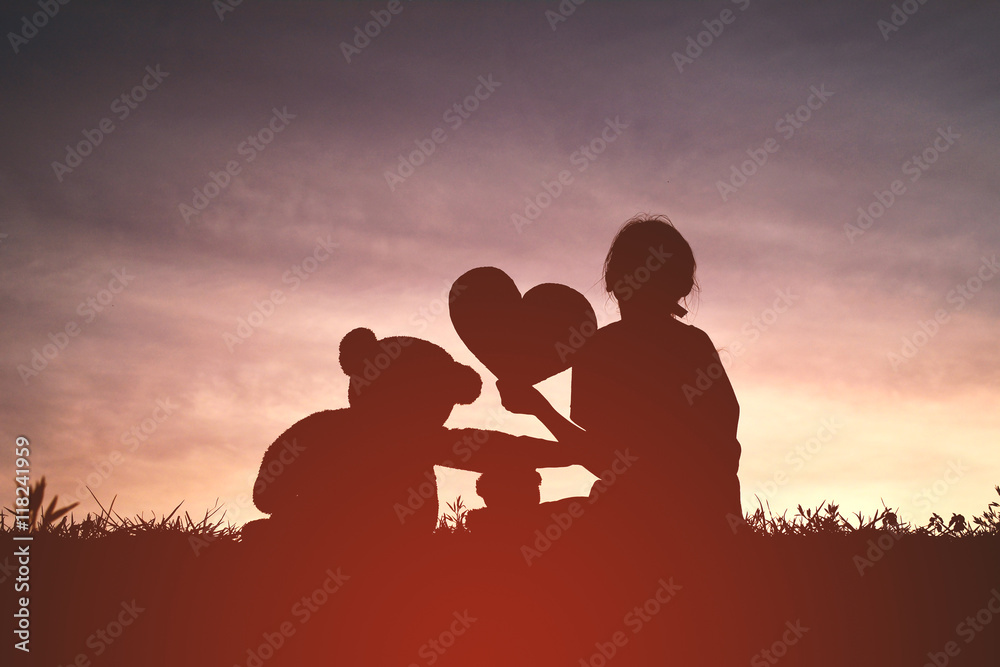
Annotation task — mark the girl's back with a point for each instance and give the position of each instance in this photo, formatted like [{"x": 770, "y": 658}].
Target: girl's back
[{"x": 658, "y": 388}]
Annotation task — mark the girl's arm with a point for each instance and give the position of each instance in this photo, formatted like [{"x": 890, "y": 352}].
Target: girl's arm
[{"x": 525, "y": 399}]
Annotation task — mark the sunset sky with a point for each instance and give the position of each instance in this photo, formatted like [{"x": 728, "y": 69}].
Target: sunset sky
[{"x": 876, "y": 381}]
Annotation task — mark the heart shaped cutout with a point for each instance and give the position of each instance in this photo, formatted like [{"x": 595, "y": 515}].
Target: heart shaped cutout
[{"x": 523, "y": 339}]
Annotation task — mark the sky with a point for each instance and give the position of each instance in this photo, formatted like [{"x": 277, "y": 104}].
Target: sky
[{"x": 201, "y": 199}]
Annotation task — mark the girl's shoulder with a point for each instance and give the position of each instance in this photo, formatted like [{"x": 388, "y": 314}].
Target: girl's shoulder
[
  {"x": 694, "y": 334},
  {"x": 621, "y": 343},
  {"x": 684, "y": 333},
  {"x": 613, "y": 331},
  {"x": 694, "y": 342},
  {"x": 600, "y": 344}
]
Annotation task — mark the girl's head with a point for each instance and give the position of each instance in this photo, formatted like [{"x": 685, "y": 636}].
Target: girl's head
[{"x": 650, "y": 266}]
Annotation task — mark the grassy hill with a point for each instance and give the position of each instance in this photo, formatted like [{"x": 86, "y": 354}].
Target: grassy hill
[{"x": 813, "y": 589}]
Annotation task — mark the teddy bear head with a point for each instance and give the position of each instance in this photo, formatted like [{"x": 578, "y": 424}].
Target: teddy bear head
[{"x": 405, "y": 379}]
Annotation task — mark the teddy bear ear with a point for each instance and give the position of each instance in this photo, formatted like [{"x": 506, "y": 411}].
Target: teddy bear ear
[
  {"x": 468, "y": 384},
  {"x": 356, "y": 346}
]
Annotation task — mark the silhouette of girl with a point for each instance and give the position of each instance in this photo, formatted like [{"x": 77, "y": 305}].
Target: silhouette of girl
[{"x": 653, "y": 387}]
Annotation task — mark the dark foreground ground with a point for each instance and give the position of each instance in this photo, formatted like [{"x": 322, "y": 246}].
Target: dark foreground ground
[{"x": 170, "y": 597}]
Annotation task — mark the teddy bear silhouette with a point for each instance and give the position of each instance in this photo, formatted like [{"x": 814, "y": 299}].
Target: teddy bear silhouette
[{"x": 358, "y": 468}]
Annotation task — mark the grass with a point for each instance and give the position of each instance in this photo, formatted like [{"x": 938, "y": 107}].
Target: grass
[
  {"x": 897, "y": 599},
  {"x": 826, "y": 519},
  {"x": 58, "y": 521},
  {"x": 453, "y": 521}
]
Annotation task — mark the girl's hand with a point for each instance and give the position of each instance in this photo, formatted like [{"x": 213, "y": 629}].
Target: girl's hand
[{"x": 522, "y": 399}]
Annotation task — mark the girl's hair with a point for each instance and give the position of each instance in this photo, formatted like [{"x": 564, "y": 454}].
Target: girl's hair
[{"x": 652, "y": 239}]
